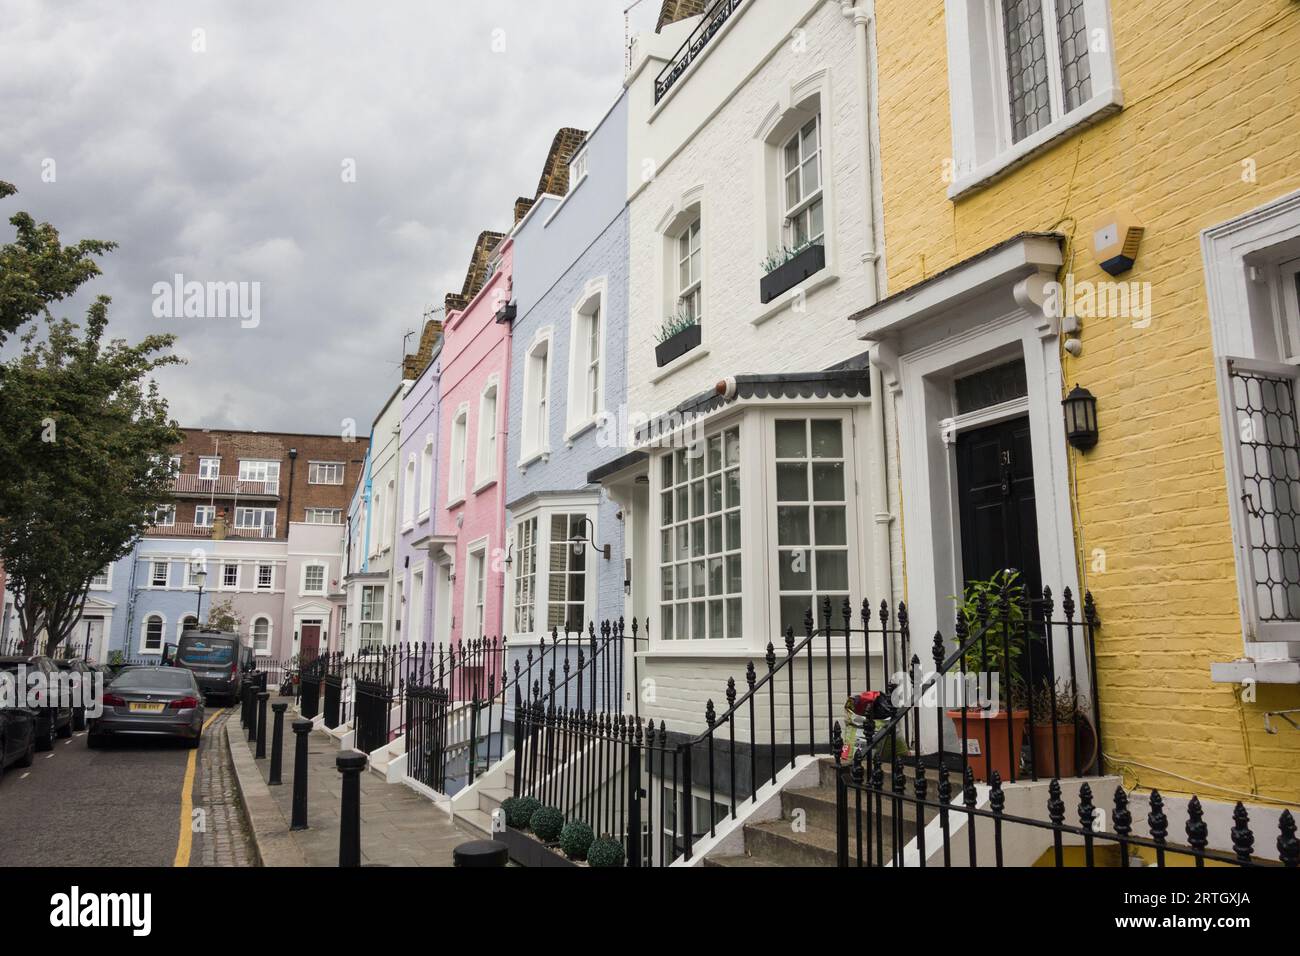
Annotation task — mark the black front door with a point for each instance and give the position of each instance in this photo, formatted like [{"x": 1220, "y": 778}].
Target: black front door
[{"x": 995, "y": 487}]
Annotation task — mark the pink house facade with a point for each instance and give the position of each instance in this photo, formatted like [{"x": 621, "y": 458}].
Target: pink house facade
[{"x": 470, "y": 524}]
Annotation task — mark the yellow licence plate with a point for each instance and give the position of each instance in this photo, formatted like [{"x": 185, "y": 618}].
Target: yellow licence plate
[{"x": 146, "y": 708}]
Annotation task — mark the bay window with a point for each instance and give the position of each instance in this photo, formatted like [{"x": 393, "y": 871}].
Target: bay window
[
  {"x": 525, "y": 558},
  {"x": 566, "y": 582},
  {"x": 371, "y": 618},
  {"x": 700, "y": 540}
]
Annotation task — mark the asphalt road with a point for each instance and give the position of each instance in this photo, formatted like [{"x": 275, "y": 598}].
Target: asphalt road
[{"x": 116, "y": 806}]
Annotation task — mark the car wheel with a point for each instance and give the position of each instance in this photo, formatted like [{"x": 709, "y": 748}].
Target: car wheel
[
  {"x": 193, "y": 742},
  {"x": 66, "y": 730},
  {"x": 29, "y": 755}
]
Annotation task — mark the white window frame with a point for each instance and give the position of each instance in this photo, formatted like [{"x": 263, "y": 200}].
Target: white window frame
[
  {"x": 144, "y": 632},
  {"x": 270, "y": 634},
  {"x": 174, "y": 462},
  {"x": 153, "y": 573},
  {"x": 303, "y": 589},
  {"x": 167, "y": 514},
  {"x": 378, "y": 605},
  {"x": 409, "y": 489},
  {"x": 535, "y": 433},
  {"x": 425, "y": 478},
  {"x": 485, "y": 445},
  {"x": 587, "y": 358},
  {"x": 261, "y": 524},
  {"x": 210, "y": 511},
  {"x": 691, "y": 292},
  {"x": 687, "y": 209},
  {"x": 314, "y": 469},
  {"x": 107, "y": 575},
  {"x": 525, "y": 560},
  {"x": 180, "y": 624},
  {"x": 419, "y": 583},
  {"x": 266, "y": 470},
  {"x": 209, "y": 468},
  {"x": 802, "y": 207},
  {"x": 981, "y": 113},
  {"x": 746, "y": 550},
  {"x": 336, "y": 512},
  {"x": 222, "y": 585},
  {"x": 475, "y": 596},
  {"x": 1249, "y": 301},
  {"x": 257, "y": 581},
  {"x": 458, "y": 463},
  {"x": 579, "y": 168},
  {"x": 390, "y": 514}
]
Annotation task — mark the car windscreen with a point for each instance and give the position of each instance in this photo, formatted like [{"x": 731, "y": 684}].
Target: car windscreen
[
  {"x": 149, "y": 678},
  {"x": 202, "y": 652}
]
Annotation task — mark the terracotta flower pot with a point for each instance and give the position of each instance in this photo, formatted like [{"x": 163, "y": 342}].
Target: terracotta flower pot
[
  {"x": 998, "y": 757},
  {"x": 1045, "y": 758}
]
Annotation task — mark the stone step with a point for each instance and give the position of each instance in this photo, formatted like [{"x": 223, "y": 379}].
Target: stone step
[
  {"x": 777, "y": 844},
  {"x": 491, "y": 798},
  {"x": 477, "y": 821},
  {"x": 818, "y": 806}
]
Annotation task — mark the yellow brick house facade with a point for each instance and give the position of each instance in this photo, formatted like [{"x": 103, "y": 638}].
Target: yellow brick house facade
[{"x": 1012, "y": 132}]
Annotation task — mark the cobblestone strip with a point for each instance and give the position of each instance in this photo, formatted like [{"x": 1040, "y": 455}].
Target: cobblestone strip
[{"x": 223, "y": 839}]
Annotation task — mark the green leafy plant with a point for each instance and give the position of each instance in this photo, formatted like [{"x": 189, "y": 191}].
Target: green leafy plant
[
  {"x": 519, "y": 811},
  {"x": 605, "y": 852},
  {"x": 116, "y": 659},
  {"x": 674, "y": 324},
  {"x": 783, "y": 255},
  {"x": 988, "y": 655},
  {"x": 576, "y": 839},
  {"x": 547, "y": 823}
]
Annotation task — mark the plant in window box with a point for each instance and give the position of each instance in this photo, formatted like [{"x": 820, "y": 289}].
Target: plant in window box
[
  {"x": 996, "y": 609},
  {"x": 678, "y": 335},
  {"x": 785, "y": 269}
]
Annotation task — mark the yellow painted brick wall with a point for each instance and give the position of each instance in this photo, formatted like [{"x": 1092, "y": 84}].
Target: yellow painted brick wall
[{"x": 1208, "y": 84}]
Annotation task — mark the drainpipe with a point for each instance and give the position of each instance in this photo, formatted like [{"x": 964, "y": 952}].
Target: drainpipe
[
  {"x": 288, "y": 505},
  {"x": 862, "y": 16},
  {"x": 502, "y": 395}
]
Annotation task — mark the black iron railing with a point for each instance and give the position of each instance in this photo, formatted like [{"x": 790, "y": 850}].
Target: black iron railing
[
  {"x": 690, "y": 51},
  {"x": 872, "y": 818}
]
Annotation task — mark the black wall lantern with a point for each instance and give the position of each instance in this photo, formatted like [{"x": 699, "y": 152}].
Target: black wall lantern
[
  {"x": 579, "y": 541},
  {"x": 1080, "y": 418}
]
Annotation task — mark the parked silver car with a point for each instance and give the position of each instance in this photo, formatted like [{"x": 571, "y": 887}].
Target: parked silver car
[{"x": 162, "y": 701}]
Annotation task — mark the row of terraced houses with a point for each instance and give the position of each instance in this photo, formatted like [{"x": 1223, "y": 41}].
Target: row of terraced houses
[{"x": 861, "y": 301}]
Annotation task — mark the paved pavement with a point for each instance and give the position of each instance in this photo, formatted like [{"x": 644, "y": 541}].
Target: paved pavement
[
  {"x": 121, "y": 805},
  {"x": 398, "y": 826}
]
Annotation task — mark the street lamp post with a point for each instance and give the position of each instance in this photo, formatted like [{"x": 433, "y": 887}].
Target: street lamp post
[{"x": 201, "y": 578}]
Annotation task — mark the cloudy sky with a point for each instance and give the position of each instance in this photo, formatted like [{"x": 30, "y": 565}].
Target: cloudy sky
[{"x": 212, "y": 138}]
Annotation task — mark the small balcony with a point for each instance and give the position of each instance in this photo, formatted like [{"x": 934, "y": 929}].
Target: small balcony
[
  {"x": 188, "y": 529},
  {"x": 224, "y": 486},
  {"x": 714, "y": 20}
]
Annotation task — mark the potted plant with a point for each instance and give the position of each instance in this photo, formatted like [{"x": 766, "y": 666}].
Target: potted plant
[
  {"x": 678, "y": 335},
  {"x": 1071, "y": 711},
  {"x": 605, "y": 852},
  {"x": 987, "y": 728},
  {"x": 576, "y": 839},
  {"x": 788, "y": 267}
]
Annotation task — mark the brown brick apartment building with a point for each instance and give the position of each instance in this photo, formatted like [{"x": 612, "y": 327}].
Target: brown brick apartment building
[{"x": 255, "y": 483}]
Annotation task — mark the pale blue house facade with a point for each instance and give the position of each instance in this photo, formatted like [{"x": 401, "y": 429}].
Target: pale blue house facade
[{"x": 568, "y": 385}]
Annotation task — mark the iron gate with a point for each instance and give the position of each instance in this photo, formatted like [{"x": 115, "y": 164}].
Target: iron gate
[
  {"x": 312, "y": 673},
  {"x": 427, "y": 708},
  {"x": 373, "y": 703}
]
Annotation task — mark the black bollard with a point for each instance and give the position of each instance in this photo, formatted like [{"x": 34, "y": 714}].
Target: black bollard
[
  {"x": 301, "y": 729},
  {"x": 480, "y": 853},
  {"x": 350, "y": 764},
  {"x": 251, "y": 691},
  {"x": 277, "y": 743},
  {"x": 262, "y": 697},
  {"x": 245, "y": 707}
]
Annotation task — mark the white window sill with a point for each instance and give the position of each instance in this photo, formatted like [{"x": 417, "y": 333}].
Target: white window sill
[
  {"x": 804, "y": 289},
  {"x": 422, "y": 517},
  {"x": 581, "y": 428},
  {"x": 543, "y": 456},
  {"x": 1099, "y": 107},
  {"x": 1256, "y": 672},
  {"x": 679, "y": 363},
  {"x": 455, "y": 502},
  {"x": 483, "y": 486}
]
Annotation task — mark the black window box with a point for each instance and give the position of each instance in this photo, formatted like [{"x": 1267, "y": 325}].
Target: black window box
[
  {"x": 785, "y": 277},
  {"x": 529, "y": 852},
  {"x": 678, "y": 345}
]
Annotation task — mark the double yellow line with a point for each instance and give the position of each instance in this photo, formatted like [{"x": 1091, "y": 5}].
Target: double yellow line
[{"x": 186, "y": 841}]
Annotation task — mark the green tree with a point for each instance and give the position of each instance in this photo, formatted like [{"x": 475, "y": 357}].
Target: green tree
[
  {"x": 222, "y": 616},
  {"x": 85, "y": 436}
]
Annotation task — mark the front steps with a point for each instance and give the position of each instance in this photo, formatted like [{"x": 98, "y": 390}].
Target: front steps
[
  {"x": 489, "y": 799},
  {"x": 805, "y": 833}
]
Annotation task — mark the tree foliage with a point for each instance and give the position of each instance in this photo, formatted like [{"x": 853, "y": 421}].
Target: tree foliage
[{"x": 85, "y": 436}]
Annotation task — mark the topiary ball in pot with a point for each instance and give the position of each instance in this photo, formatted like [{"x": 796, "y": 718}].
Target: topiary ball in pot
[
  {"x": 547, "y": 823},
  {"x": 576, "y": 839},
  {"x": 519, "y": 810},
  {"x": 605, "y": 852}
]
